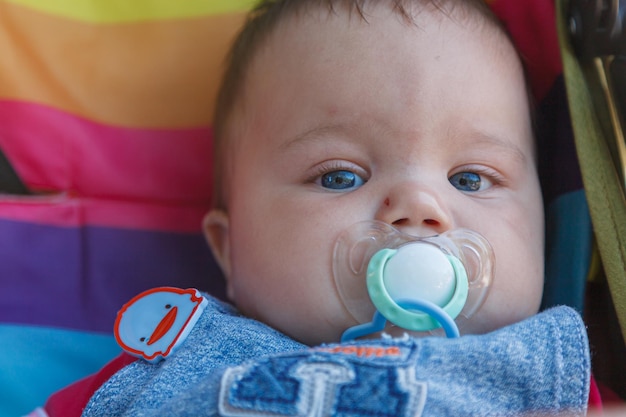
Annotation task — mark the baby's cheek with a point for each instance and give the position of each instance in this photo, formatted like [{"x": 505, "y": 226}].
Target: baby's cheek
[{"x": 517, "y": 297}]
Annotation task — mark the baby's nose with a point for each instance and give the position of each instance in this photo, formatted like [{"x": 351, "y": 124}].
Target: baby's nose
[{"x": 415, "y": 209}]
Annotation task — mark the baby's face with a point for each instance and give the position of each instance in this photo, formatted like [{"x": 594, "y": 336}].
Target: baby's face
[{"x": 423, "y": 126}]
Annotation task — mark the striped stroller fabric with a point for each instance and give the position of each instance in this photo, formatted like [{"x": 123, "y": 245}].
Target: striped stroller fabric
[
  {"x": 569, "y": 235},
  {"x": 105, "y": 110}
]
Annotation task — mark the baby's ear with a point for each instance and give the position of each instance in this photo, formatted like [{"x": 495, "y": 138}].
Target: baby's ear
[{"x": 216, "y": 231}]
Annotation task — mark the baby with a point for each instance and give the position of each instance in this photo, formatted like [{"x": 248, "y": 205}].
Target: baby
[{"x": 412, "y": 113}]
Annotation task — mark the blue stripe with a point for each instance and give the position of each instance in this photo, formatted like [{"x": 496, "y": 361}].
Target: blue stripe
[{"x": 36, "y": 362}]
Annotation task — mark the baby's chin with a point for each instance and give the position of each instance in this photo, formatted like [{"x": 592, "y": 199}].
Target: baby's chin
[
  {"x": 466, "y": 327},
  {"x": 394, "y": 332},
  {"x": 481, "y": 323},
  {"x": 489, "y": 319}
]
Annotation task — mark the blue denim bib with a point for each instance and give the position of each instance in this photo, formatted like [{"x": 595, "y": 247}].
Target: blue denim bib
[{"x": 234, "y": 366}]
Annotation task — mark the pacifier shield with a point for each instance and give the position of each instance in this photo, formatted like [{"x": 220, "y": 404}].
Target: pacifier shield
[{"x": 352, "y": 253}]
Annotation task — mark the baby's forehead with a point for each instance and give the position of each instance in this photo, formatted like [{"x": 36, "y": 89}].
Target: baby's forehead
[
  {"x": 300, "y": 15},
  {"x": 346, "y": 22},
  {"x": 409, "y": 11}
]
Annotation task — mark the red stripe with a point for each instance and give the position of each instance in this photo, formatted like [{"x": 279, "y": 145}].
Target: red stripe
[
  {"x": 532, "y": 24},
  {"x": 54, "y": 150},
  {"x": 65, "y": 210},
  {"x": 71, "y": 401}
]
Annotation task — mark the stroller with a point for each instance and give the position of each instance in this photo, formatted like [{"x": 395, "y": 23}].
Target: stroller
[
  {"x": 593, "y": 39},
  {"x": 577, "y": 71}
]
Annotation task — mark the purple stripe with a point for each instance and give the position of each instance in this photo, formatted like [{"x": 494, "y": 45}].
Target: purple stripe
[{"x": 78, "y": 278}]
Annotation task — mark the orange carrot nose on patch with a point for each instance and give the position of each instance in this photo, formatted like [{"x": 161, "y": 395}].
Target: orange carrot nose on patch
[
  {"x": 164, "y": 326},
  {"x": 154, "y": 323}
]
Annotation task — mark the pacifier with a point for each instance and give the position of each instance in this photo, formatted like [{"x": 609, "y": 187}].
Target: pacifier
[{"x": 425, "y": 285}]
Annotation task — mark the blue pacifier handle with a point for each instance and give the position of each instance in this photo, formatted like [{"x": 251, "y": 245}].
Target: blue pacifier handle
[{"x": 379, "y": 321}]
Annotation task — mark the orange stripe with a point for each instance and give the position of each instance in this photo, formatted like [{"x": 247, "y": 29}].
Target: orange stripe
[{"x": 147, "y": 74}]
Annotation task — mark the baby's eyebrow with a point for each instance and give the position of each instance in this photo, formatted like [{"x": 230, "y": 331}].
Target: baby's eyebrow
[
  {"x": 314, "y": 134},
  {"x": 487, "y": 141},
  {"x": 475, "y": 138}
]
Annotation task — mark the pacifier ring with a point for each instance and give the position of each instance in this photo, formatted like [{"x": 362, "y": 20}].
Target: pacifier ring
[{"x": 403, "y": 317}]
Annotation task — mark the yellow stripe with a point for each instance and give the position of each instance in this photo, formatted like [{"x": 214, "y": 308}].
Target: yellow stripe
[
  {"x": 118, "y": 11},
  {"x": 148, "y": 74}
]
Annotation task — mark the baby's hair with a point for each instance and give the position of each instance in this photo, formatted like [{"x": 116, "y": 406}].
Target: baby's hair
[{"x": 261, "y": 23}]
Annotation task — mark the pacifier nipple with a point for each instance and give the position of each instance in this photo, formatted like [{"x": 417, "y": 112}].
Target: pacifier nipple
[{"x": 418, "y": 284}]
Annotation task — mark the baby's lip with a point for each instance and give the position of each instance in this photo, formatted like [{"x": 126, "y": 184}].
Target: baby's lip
[{"x": 164, "y": 326}]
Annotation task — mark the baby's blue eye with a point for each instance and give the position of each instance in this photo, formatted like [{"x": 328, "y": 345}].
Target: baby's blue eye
[
  {"x": 466, "y": 181},
  {"x": 341, "y": 180}
]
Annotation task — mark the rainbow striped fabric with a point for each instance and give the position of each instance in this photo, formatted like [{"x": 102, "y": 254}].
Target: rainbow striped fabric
[{"x": 105, "y": 109}]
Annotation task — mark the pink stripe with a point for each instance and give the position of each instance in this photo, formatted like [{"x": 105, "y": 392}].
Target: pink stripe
[
  {"x": 65, "y": 210},
  {"x": 54, "y": 150}
]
